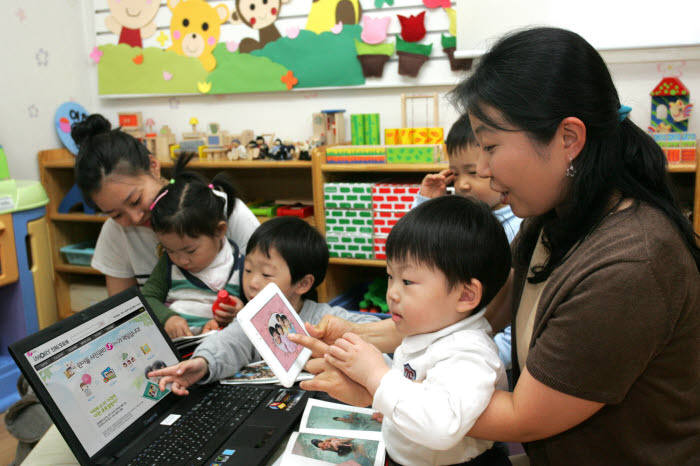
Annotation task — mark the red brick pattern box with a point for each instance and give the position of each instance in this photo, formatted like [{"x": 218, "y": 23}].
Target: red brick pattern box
[
  {"x": 380, "y": 247},
  {"x": 393, "y": 197},
  {"x": 384, "y": 220}
]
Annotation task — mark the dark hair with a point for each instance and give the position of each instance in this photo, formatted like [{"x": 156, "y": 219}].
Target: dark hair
[
  {"x": 342, "y": 450},
  {"x": 460, "y": 135},
  {"x": 459, "y": 237},
  {"x": 188, "y": 205},
  {"x": 103, "y": 151},
  {"x": 540, "y": 76},
  {"x": 301, "y": 246},
  {"x": 272, "y": 331}
]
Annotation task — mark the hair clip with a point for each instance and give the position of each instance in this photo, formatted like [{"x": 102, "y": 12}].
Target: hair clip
[
  {"x": 172, "y": 181},
  {"x": 623, "y": 111},
  {"x": 211, "y": 186},
  {"x": 160, "y": 196}
]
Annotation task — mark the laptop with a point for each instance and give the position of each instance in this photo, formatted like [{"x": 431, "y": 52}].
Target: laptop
[{"x": 89, "y": 370}]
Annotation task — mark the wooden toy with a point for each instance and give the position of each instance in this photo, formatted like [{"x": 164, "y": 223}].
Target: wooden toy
[
  {"x": 295, "y": 210},
  {"x": 131, "y": 123},
  {"x": 159, "y": 143},
  {"x": 194, "y": 134},
  {"x": 364, "y": 129},
  {"x": 409, "y": 133},
  {"x": 329, "y": 126}
]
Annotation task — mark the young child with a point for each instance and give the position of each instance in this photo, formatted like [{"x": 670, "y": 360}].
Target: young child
[
  {"x": 463, "y": 153},
  {"x": 189, "y": 218},
  {"x": 288, "y": 252},
  {"x": 446, "y": 259}
]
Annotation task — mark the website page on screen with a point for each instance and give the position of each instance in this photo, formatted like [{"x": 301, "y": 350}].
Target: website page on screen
[{"x": 96, "y": 373}]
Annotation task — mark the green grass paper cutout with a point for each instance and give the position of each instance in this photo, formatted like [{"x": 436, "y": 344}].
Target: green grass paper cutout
[
  {"x": 413, "y": 47},
  {"x": 378, "y": 49},
  {"x": 118, "y": 74},
  {"x": 318, "y": 60},
  {"x": 243, "y": 72}
]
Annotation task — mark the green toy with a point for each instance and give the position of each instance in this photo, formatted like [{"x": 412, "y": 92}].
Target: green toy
[
  {"x": 4, "y": 169},
  {"x": 374, "y": 300}
]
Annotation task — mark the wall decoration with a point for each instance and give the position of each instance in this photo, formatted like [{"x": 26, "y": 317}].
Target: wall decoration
[
  {"x": 66, "y": 116},
  {"x": 42, "y": 57},
  {"x": 21, "y": 14},
  {"x": 33, "y": 111},
  {"x": 132, "y": 20},
  {"x": 235, "y": 46},
  {"x": 670, "y": 106}
]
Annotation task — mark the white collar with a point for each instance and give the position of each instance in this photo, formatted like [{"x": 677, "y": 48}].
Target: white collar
[{"x": 415, "y": 343}]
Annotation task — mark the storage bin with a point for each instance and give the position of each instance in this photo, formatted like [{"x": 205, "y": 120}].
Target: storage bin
[{"x": 79, "y": 254}]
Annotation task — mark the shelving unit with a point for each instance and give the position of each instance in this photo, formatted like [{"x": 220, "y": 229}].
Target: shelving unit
[
  {"x": 253, "y": 179},
  {"x": 265, "y": 180}
]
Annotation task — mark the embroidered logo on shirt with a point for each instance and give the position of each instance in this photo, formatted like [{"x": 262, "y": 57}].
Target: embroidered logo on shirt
[{"x": 409, "y": 372}]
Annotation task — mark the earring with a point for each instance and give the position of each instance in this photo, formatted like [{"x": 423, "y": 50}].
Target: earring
[{"x": 571, "y": 171}]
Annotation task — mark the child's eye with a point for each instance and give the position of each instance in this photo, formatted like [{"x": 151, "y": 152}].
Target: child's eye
[
  {"x": 136, "y": 202},
  {"x": 191, "y": 251},
  {"x": 267, "y": 275},
  {"x": 407, "y": 282},
  {"x": 247, "y": 270},
  {"x": 489, "y": 149}
]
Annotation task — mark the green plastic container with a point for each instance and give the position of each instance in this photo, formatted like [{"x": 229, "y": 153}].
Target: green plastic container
[{"x": 18, "y": 195}]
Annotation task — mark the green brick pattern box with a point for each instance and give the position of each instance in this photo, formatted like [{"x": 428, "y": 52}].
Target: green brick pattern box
[
  {"x": 349, "y": 221},
  {"x": 354, "y": 196},
  {"x": 349, "y": 245}
]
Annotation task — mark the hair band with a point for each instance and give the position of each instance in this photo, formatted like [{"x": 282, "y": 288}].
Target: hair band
[{"x": 160, "y": 196}]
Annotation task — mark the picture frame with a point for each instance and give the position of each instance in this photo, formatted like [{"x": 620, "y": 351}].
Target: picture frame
[{"x": 266, "y": 320}]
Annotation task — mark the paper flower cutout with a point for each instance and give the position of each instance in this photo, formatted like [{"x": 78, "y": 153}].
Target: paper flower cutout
[
  {"x": 337, "y": 28},
  {"x": 21, "y": 15},
  {"x": 374, "y": 29},
  {"x": 436, "y": 3},
  {"x": 42, "y": 57},
  {"x": 231, "y": 46},
  {"x": 203, "y": 87},
  {"x": 412, "y": 27},
  {"x": 167, "y": 75},
  {"x": 96, "y": 54},
  {"x": 289, "y": 79},
  {"x": 162, "y": 38},
  {"x": 293, "y": 32},
  {"x": 452, "y": 15},
  {"x": 138, "y": 59},
  {"x": 379, "y": 3},
  {"x": 33, "y": 111}
]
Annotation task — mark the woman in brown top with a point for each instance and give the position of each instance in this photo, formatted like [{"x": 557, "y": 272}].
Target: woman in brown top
[{"x": 605, "y": 291}]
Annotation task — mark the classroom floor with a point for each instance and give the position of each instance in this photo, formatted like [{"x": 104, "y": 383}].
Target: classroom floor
[{"x": 8, "y": 443}]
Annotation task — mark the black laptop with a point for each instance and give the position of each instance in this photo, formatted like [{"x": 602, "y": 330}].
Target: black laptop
[{"x": 89, "y": 373}]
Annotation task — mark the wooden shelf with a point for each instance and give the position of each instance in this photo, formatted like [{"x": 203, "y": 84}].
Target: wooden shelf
[
  {"x": 77, "y": 269},
  {"x": 682, "y": 168},
  {"x": 383, "y": 167},
  {"x": 310, "y": 220},
  {"x": 244, "y": 164},
  {"x": 78, "y": 217},
  {"x": 358, "y": 262}
]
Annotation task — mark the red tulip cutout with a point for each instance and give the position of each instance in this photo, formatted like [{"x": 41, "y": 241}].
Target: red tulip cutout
[{"x": 413, "y": 27}]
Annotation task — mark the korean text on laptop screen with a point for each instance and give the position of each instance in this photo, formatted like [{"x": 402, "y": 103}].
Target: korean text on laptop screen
[{"x": 95, "y": 373}]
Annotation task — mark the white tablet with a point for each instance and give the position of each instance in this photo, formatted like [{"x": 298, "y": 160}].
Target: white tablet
[{"x": 267, "y": 319}]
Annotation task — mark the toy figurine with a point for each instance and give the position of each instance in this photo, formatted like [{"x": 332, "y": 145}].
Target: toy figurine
[{"x": 263, "y": 149}]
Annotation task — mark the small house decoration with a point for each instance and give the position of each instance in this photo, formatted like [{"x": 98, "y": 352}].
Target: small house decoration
[{"x": 670, "y": 106}]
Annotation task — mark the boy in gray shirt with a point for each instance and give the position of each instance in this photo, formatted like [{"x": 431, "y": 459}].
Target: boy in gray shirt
[{"x": 286, "y": 251}]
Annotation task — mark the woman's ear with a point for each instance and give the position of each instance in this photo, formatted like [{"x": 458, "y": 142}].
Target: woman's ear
[
  {"x": 304, "y": 284},
  {"x": 154, "y": 167},
  {"x": 470, "y": 295},
  {"x": 572, "y": 136}
]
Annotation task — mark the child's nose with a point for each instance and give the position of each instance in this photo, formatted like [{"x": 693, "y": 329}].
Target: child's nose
[{"x": 135, "y": 215}]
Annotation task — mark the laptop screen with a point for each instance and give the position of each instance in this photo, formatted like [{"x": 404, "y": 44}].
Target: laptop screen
[{"x": 95, "y": 372}]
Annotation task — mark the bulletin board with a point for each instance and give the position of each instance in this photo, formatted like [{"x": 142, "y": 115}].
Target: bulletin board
[
  {"x": 607, "y": 25},
  {"x": 175, "y": 47}
]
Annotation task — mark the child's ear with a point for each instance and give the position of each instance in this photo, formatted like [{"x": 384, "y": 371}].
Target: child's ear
[
  {"x": 470, "y": 295},
  {"x": 304, "y": 284},
  {"x": 221, "y": 228}
]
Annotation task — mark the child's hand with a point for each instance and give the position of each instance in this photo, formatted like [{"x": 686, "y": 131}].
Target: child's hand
[
  {"x": 176, "y": 326},
  {"x": 330, "y": 328},
  {"x": 225, "y": 314},
  {"x": 435, "y": 184},
  {"x": 210, "y": 325},
  {"x": 181, "y": 375},
  {"x": 359, "y": 360}
]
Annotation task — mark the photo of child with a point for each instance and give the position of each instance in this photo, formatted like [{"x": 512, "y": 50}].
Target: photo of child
[
  {"x": 327, "y": 418},
  {"x": 273, "y": 322}
]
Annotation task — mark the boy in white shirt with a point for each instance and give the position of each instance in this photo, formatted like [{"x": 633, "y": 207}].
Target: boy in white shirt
[{"x": 446, "y": 259}]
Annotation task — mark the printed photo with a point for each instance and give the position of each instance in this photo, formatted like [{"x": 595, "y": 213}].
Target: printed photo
[
  {"x": 337, "y": 417},
  {"x": 337, "y": 450},
  {"x": 269, "y": 322}
]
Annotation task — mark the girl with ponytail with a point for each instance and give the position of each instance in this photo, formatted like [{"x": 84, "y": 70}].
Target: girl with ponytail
[
  {"x": 122, "y": 179},
  {"x": 189, "y": 216}
]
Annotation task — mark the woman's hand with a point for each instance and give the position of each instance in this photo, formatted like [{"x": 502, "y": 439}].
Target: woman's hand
[
  {"x": 225, "y": 314},
  {"x": 181, "y": 375},
  {"x": 330, "y": 329},
  {"x": 327, "y": 378},
  {"x": 176, "y": 326}
]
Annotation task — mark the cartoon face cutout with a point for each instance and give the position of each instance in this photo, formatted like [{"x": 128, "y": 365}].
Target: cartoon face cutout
[
  {"x": 257, "y": 13},
  {"x": 133, "y": 14},
  {"x": 677, "y": 110},
  {"x": 195, "y": 27}
]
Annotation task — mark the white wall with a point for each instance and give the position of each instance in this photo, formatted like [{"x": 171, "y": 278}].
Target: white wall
[
  {"x": 43, "y": 64},
  {"x": 61, "y": 28}
]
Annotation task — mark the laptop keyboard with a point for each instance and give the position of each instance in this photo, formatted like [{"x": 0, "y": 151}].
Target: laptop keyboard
[{"x": 194, "y": 437}]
